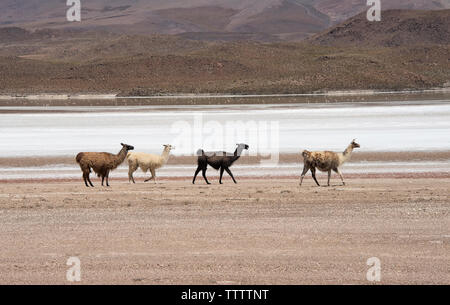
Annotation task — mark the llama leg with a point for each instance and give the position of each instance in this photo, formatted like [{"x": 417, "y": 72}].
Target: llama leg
[
  {"x": 131, "y": 170},
  {"x": 229, "y": 173},
  {"x": 340, "y": 175},
  {"x": 145, "y": 172},
  {"x": 153, "y": 174},
  {"x": 221, "y": 174},
  {"x": 152, "y": 177},
  {"x": 103, "y": 179},
  {"x": 199, "y": 168},
  {"x": 305, "y": 170},
  {"x": 148, "y": 179},
  {"x": 89, "y": 179},
  {"x": 85, "y": 175},
  {"x": 107, "y": 178},
  {"x": 204, "y": 175},
  {"x": 329, "y": 175},
  {"x": 313, "y": 172}
]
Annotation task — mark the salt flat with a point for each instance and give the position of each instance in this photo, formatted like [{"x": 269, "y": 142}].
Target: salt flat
[{"x": 266, "y": 128}]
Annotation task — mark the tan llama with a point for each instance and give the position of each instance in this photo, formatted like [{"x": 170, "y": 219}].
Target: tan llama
[{"x": 326, "y": 161}]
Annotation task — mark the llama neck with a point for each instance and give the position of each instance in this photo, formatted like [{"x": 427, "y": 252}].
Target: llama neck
[
  {"x": 165, "y": 155},
  {"x": 121, "y": 156},
  {"x": 346, "y": 154},
  {"x": 237, "y": 153}
]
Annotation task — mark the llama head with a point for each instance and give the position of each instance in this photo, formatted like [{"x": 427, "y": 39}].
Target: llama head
[
  {"x": 354, "y": 144},
  {"x": 242, "y": 146},
  {"x": 168, "y": 147},
  {"x": 127, "y": 147}
]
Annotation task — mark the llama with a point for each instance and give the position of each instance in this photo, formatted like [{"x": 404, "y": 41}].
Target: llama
[
  {"x": 326, "y": 161},
  {"x": 218, "y": 160},
  {"x": 147, "y": 162},
  {"x": 101, "y": 162}
]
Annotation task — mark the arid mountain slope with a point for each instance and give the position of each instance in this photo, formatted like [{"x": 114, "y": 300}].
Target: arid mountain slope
[
  {"x": 212, "y": 19},
  {"x": 409, "y": 50},
  {"x": 135, "y": 65},
  {"x": 274, "y": 17},
  {"x": 397, "y": 27}
]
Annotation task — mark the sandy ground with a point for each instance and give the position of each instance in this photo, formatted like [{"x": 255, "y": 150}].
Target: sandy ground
[{"x": 265, "y": 231}]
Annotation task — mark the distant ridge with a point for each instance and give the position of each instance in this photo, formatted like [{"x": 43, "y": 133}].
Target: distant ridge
[{"x": 397, "y": 28}]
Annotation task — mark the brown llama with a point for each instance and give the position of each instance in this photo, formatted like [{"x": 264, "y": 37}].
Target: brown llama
[
  {"x": 326, "y": 161},
  {"x": 101, "y": 162}
]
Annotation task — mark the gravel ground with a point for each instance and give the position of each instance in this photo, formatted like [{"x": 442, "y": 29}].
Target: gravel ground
[{"x": 260, "y": 231}]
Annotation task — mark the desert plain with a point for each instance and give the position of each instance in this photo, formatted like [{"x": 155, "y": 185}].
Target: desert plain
[{"x": 259, "y": 231}]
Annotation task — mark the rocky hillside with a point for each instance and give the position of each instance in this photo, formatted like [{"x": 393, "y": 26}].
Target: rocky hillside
[
  {"x": 397, "y": 28},
  {"x": 406, "y": 50}
]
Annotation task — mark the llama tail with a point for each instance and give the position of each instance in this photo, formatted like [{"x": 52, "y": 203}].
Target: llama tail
[
  {"x": 306, "y": 153},
  {"x": 200, "y": 152},
  {"x": 79, "y": 157}
]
